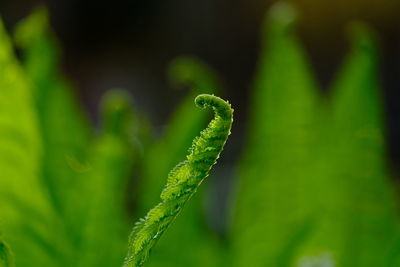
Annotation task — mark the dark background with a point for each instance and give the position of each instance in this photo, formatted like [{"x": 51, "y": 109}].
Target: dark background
[{"x": 128, "y": 44}]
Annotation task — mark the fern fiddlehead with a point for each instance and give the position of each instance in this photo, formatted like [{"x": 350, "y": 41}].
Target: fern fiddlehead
[{"x": 183, "y": 180}]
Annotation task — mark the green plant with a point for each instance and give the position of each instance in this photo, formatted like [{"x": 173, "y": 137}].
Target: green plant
[
  {"x": 313, "y": 186},
  {"x": 183, "y": 180},
  {"x": 278, "y": 172},
  {"x": 68, "y": 180},
  {"x": 184, "y": 123},
  {"x": 111, "y": 157},
  {"x": 22, "y": 194},
  {"x": 53, "y": 98},
  {"x": 6, "y": 259},
  {"x": 314, "y": 164},
  {"x": 71, "y": 185},
  {"x": 365, "y": 198}
]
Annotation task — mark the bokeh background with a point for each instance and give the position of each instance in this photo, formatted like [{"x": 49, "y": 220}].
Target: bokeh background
[{"x": 129, "y": 44}]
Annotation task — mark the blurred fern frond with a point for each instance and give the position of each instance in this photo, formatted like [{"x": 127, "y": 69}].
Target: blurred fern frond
[
  {"x": 110, "y": 157},
  {"x": 314, "y": 160},
  {"x": 6, "y": 258},
  {"x": 278, "y": 173},
  {"x": 58, "y": 113},
  {"x": 82, "y": 177},
  {"x": 22, "y": 194}
]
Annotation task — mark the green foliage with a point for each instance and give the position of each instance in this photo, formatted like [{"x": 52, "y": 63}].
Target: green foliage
[
  {"x": 70, "y": 187},
  {"x": 364, "y": 196},
  {"x": 313, "y": 187},
  {"x": 6, "y": 259},
  {"x": 183, "y": 125},
  {"x": 276, "y": 172},
  {"x": 358, "y": 222},
  {"x": 183, "y": 180},
  {"x": 58, "y": 113},
  {"x": 111, "y": 159},
  {"x": 71, "y": 183},
  {"x": 22, "y": 195},
  {"x": 315, "y": 168}
]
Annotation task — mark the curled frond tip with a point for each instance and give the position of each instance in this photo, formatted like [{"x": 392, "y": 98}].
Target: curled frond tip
[{"x": 221, "y": 107}]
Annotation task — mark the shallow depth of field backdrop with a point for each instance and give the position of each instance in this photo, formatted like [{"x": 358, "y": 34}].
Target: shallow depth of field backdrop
[{"x": 96, "y": 107}]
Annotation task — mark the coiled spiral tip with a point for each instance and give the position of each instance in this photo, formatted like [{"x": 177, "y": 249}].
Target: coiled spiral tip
[{"x": 221, "y": 107}]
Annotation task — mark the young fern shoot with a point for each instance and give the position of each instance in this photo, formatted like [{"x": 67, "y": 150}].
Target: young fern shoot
[{"x": 183, "y": 180}]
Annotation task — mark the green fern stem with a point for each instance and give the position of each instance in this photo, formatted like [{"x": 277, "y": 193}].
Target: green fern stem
[{"x": 183, "y": 180}]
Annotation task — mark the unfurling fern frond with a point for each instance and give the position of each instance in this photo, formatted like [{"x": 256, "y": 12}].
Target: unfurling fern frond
[{"x": 183, "y": 180}]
